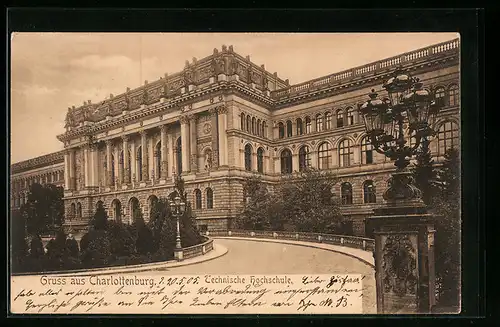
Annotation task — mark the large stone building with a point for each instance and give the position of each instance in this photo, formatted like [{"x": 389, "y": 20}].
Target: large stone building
[{"x": 222, "y": 119}]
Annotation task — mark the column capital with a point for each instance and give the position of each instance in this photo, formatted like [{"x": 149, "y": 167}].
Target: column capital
[
  {"x": 164, "y": 128},
  {"x": 143, "y": 132},
  {"x": 213, "y": 111},
  {"x": 125, "y": 138},
  {"x": 184, "y": 119},
  {"x": 222, "y": 109},
  {"x": 109, "y": 142}
]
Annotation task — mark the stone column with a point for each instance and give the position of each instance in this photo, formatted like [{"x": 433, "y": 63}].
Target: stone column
[
  {"x": 86, "y": 165},
  {"x": 94, "y": 167},
  {"x": 133, "y": 162},
  {"x": 144, "y": 153},
  {"x": 151, "y": 157},
  {"x": 117, "y": 167},
  {"x": 356, "y": 155},
  {"x": 335, "y": 157},
  {"x": 66, "y": 171},
  {"x": 126, "y": 169},
  {"x": 109, "y": 180},
  {"x": 193, "y": 145},
  {"x": 295, "y": 162},
  {"x": 170, "y": 161},
  {"x": 222, "y": 128},
  {"x": 215, "y": 137},
  {"x": 164, "y": 163},
  {"x": 72, "y": 170},
  {"x": 184, "y": 120}
]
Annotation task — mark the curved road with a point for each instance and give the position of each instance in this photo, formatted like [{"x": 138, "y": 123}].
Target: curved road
[{"x": 254, "y": 257}]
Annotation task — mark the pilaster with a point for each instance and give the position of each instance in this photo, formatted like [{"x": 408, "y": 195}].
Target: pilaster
[
  {"x": 185, "y": 143},
  {"x": 144, "y": 156},
  {"x": 215, "y": 137},
  {"x": 126, "y": 178},
  {"x": 222, "y": 128},
  {"x": 193, "y": 146},
  {"x": 163, "y": 140}
]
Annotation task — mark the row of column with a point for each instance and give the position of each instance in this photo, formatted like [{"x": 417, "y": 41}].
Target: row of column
[
  {"x": 189, "y": 155},
  {"x": 47, "y": 178}
]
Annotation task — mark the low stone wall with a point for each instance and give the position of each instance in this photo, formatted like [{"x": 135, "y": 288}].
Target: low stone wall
[{"x": 366, "y": 244}]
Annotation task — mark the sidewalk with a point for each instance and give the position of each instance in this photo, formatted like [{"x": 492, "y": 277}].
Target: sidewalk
[
  {"x": 218, "y": 251},
  {"x": 364, "y": 256}
]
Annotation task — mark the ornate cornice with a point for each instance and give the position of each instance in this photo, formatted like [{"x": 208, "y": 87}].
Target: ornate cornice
[{"x": 45, "y": 160}]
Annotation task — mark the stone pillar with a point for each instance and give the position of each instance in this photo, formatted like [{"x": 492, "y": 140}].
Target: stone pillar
[
  {"x": 66, "y": 171},
  {"x": 170, "y": 161},
  {"x": 295, "y": 162},
  {"x": 193, "y": 144},
  {"x": 126, "y": 169},
  {"x": 215, "y": 137},
  {"x": 164, "y": 163},
  {"x": 86, "y": 165},
  {"x": 109, "y": 162},
  {"x": 117, "y": 166},
  {"x": 133, "y": 162},
  {"x": 144, "y": 153},
  {"x": 151, "y": 157},
  {"x": 222, "y": 128},
  {"x": 335, "y": 157},
  {"x": 184, "y": 120},
  {"x": 94, "y": 166},
  {"x": 356, "y": 155}
]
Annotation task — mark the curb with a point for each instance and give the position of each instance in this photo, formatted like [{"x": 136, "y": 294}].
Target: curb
[{"x": 311, "y": 245}]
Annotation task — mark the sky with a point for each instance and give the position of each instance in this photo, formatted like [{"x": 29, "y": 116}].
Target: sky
[{"x": 53, "y": 71}]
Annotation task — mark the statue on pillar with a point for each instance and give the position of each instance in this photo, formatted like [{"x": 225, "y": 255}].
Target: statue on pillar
[{"x": 208, "y": 159}]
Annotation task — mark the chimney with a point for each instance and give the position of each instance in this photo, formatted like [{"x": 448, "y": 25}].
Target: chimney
[
  {"x": 146, "y": 82},
  {"x": 128, "y": 89},
  {"x": 111, "y": 95},
  {"x": 287, "y": 82},
  {"x": 231, "y": 48},
  {"x": 247, "y": 58},
  {"x": 194, "y": 60},
  {"x": 275, "y": 74},
  {"x": 187, "y": 63}
]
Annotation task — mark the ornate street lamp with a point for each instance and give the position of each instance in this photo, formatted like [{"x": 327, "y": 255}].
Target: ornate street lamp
[
  {"x": 404, "y": 231},
  {"x": 177, "y": 207}
]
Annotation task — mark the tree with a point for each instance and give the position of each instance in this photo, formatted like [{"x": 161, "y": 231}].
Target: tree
[
  {"x": 308, "y": 201},
  {"x": 424, "y": 172},
  {"x": 100, "y": 220},
  {"x": 446, "y": 205},
  {"x": 19, "y": 246},
  {"x": 44, "y": 207},
  {"x": 305, "y": 202}
]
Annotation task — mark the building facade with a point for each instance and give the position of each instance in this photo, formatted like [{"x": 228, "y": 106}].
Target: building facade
[{"x": 223, "y": 119}]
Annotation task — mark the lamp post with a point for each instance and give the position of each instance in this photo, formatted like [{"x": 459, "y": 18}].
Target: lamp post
[
  {"x": 177, "y": 207},
  {"x": 403, "y": 229}
]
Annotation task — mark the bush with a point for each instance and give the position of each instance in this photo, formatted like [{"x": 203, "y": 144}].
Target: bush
[
  {"x": 121, "y": 240},
  {"x": 97, "y": 252}
]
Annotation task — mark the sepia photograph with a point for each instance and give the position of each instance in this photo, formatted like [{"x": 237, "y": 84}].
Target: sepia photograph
[{"x": 235, "y": 173}]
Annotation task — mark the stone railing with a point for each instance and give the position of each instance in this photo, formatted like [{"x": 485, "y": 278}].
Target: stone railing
[
  {"x": 371, "y": 68},
  {"x": 366, "y": 244},
  {"x": 198, "y": 249}
]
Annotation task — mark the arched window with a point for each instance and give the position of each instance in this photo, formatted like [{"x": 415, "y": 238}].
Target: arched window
[
  {"x": 350, "y": 116},
  {"x": 366, "y": 151},
  {"x": 369, "y": 195},
  {"x": 135, "y": 209},
  {"x": 308, "y": 125},
  {"x": 258, "y": 129},
  {"x": 289, "y": 129},
  {"x": 79, "y": 210},
  {"x": 72, "y": 210},
  {"x": 248, "y": 157},
  {"x": 300, "y": 129},
  {"x": 248, "y": 124},
  {"x": 117, "y": 210},
  {"x": 340, "y": 118},
  {"x": 158, "y": 159},
  {"x": 178, "y": 155},
  {"x": 346, "y": 193},
  {"x": 253, "y": 126},
  {"x": 260, "y": 160},
  {"x": 210, "y": 198},
  {"x": 197, "y": 199},
  {"x": 281, "y": 130},
  {"x": 263, "y": 133},
  {"x": 345, "y": 153},
  {"x": 447, "y": 137},
  {"x": 324, "y": 156},
  {"x": 304, "y": 158},
  {"x": 328, "y": 120},
  {"x": 242, "y": 121},
  {"x": 454, "y": 98},
  {"x": 286, "y": 161},
  {"x": 319, "y": 123},
  {"x": 113, "y": 172},
  {"x": 439, "y": 96}
]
